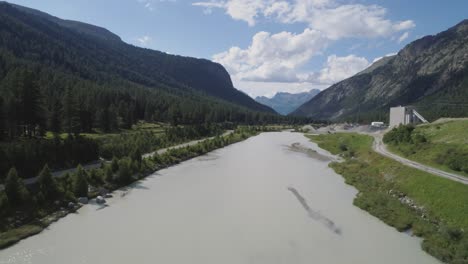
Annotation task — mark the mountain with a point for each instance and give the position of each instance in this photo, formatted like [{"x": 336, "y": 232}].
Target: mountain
[
  {"x": 285, "y": 103},
  {"x": 430, "y": 73},
  {"x": 90, "y": 53}
]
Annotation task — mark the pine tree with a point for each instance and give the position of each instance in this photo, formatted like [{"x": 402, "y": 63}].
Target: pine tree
[
  {"x": 31, "y": 108},
  {"x": 15, "y": 189},
  {"x": 80, "y": 184},
  {"x": 55, "y": 123},
  {"x": 2, "y": 120},
  {"x": 103, "y": 119},
  {"x": 47, "y": 184},
  {"x": 12, "y": 117},
  {"x": 70, "y": 116}
]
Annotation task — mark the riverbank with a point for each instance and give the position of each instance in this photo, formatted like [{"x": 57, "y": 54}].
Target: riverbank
[
  {"x": 256, "y": 201},
  {"x": 21, "y": 229},
  {"x": 408, "y": 199}
]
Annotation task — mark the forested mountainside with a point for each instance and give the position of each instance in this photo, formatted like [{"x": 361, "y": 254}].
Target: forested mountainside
[
  {"x": 53, "y": 69},
  {"x": 285, "y": 103},
  {"x": 430, "y": 73}
]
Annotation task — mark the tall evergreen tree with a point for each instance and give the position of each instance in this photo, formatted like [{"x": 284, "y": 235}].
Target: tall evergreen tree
[
  {"x": 103, "y": 119},
  {"x": 48, "y": 185},
  {"x": 31, "y": 108},
  {"x": 70, "y": 115},
  {"x": 12, "y": 117},
  {"x": 55, "y": 117},
  {"x": 2, "y": 119},
  {"x": 15, "y": 189}
]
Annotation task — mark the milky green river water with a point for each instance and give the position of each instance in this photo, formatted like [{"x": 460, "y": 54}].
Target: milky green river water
[{"x": 252, "y": 202}]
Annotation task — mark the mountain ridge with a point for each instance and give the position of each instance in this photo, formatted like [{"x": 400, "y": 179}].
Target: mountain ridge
[
  {"x": 284, "y": 103},
  {"x": 430, "y": 73},
  {"x": 103, "y": 53}
]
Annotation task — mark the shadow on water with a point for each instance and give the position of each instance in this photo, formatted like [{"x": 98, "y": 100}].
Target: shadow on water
[{"x": 317, "y": 216}]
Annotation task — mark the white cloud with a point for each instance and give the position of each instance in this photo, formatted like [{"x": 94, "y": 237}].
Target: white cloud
[
  {"x": 334, "y": 20},
  {"x": 149, "y": 4},
  {"x": 273, "y": 57},
  {"x": 246, "y": 10},
  {"x": 340, "y": 68},
  {"x": 144, "y": 40},
  {"x": 276, "y": 62},
  {"x": 403, "y": 37},
  {"x": 388, "y": 55},
  {"x": 269, "y": 89}
]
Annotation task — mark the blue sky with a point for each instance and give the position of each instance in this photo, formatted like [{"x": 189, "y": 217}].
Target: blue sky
[{"x": 269, "y": 46}]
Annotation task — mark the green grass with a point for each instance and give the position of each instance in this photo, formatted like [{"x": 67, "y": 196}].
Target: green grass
[
  {"x": 445, "y": 202},
  {"x": 12, "y": 236},
  {"x": 442, "y": 138}
]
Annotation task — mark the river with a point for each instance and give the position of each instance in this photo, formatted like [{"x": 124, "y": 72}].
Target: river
[{"x": 252, "y": 202}]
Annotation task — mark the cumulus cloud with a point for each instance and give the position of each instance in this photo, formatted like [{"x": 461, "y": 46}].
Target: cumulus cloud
[
  {"x": 144, "y": 40},
  {"x": 335, "y": 20},
  {"x": 340, "y": 68},
  {"x": 273, "y": 57},
  {"x": 277, "y": 60}
]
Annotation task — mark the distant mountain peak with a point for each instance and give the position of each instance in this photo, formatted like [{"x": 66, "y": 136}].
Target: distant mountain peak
[{"x": 284, "y": 102}]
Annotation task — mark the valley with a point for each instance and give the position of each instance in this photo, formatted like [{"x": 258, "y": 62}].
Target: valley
[{"x": 287, "y": 132}]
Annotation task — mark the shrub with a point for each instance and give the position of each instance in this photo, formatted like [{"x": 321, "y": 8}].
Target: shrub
[
  {"x": 80, "y": 183},
  {"x": 115, "y": 164},
  {"x": 108, "y": 173},
  {"x": 124, "y": 174},
  {"x": 400, "y": 134}
]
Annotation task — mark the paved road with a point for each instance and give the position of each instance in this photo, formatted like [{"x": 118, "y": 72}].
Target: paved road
[
  {"x": 97, "y": 164},
  {"x": 380, "y": 148}
]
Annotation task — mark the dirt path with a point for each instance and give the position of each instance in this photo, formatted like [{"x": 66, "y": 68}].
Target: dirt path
[
  {"x": 380, "y": 148},
  {"x": 97, "y": 164}
]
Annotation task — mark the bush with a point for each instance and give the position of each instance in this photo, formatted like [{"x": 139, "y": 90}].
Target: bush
[
  {"x": 80, "y": 183},
  {"x": 115, "y": 164},
  {"x": 124, "y": 174},
  {"x": 454, "y": 159},
  {"x": 4, "y": 205},
  {"x": 400, "y": 134},
  {"x": 108, "y": 174}
]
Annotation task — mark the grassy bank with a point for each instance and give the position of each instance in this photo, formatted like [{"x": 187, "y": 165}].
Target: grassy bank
[
  {"x": 440, "y": 145},
  {"x": 434, "y": 208},
  {"x": 21, "y": 222}
]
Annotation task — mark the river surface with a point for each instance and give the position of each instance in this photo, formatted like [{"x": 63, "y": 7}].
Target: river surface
[{"x": 252, "y": 202}]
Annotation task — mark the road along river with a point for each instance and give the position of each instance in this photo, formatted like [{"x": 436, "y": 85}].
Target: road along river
[{"x": 257, "y": 201}]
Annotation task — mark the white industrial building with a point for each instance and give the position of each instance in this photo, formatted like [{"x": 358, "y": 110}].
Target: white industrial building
[{"x": 404, "y": 115}]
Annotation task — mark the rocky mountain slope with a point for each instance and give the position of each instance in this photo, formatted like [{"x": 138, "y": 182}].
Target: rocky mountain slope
[
  {"x": 285, "y": 103},
  {"x": 430, "y": 73}
]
